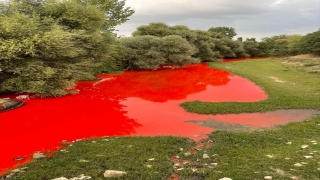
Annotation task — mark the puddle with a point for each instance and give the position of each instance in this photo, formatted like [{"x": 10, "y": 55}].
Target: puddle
[
  {"x": 255, "y": 121},
  {"x": 135, "y": 103}
]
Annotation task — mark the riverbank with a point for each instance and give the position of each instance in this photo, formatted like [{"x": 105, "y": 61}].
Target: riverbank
[{"x": 286, "y": 152}]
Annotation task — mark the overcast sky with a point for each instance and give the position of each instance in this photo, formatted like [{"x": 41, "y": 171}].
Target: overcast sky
[{"x": 250, "y": 18}]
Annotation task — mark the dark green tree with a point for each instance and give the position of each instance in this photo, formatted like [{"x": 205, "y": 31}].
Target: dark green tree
[
  {"x": 157, "y": 29},
  {"x": 210, "y": 45},
  {"x": 310, "y": 43},
  {"x": 251, "y": 47},
  {"x": 205, "y": 46},
  {"x": 149, "y": 52},
  {"x": 142, "y": 52},
  {"x": 277, "y": 45},
  {"x": 225, "y": 31},
  {"x": 293, "y": 44},
  {"x": 177, "y": 51},
  {"x": 46, "y": 46}
]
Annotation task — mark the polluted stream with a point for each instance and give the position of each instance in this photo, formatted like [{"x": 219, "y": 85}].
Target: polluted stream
[{"x": 134, "y": 103}]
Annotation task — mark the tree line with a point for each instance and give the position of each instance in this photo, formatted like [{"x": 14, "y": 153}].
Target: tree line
[
  {"x": 212, "y": 44},
  {"x": 46, "y": 46}
]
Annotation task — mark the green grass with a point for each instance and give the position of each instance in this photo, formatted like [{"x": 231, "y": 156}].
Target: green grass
[
  {"x": 242, "y": 155},
  {"x": 239, "y": 155},
  {"x": 299, "y": 90},
  {"x": 129, "y": 154},
  {"x": 305, "y": 65}
]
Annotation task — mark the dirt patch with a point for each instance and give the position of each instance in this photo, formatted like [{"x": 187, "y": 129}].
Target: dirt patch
[
  {"x": 211, "y": 123},
  {"x": 275, "y": 79},
  {"x": 302, "y": 56},
  {"x": 292, "y": 63},
  {"x": 255, "y": 121},
  {"x": 222, "y": 126}
]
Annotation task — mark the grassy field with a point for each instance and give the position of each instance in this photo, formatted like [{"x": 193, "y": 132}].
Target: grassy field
[
  {"x": 287, "y": 152},
  {"x": 287, "y": 87}
]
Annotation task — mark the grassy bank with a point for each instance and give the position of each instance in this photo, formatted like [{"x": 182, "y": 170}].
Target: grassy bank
[
  {"x": 140, "y": 157},
  {"x": 237, "y": 155},
  {"x": 279, "y": 152},
  {"x": 276, "y": 153},
  {"x": 287, "y": 87}
]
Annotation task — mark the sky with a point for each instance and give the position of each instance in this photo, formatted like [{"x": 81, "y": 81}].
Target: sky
[{"x": 250, "y": 18}]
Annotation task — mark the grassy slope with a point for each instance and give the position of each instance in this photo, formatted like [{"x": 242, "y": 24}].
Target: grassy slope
[
  {"x": 299, "y": 89},
  {"x": 239, "y": 155}
]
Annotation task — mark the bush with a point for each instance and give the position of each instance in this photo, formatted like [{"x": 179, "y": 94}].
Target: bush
[
  {"x": 46, "y": 46},
  {"x": 149, "y": 52}
]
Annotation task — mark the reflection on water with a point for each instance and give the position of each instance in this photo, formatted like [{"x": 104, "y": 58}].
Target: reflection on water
[{"x": 132, "y": 103}]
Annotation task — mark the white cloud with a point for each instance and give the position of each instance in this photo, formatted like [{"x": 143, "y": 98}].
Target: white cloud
[
  {"x": 279, "y": 2},
  {"x": 258, "y": 18}
]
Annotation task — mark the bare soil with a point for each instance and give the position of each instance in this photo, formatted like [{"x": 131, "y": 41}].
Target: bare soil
[{"x": 303, "y": 56}]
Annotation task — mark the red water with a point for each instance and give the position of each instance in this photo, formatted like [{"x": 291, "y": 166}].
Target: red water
[{"x": 133, "y": 103}]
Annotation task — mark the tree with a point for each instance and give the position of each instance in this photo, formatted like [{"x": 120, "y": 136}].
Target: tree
[
  {"x": 142, "y": 52},
  {"x": 116, "y": 11},
  {"x": 184, "y": 32},
  {"x": 210, "y": 45},
  {"x": 46, "y": 46},
  {"x": 293, "y": 44},
  {"x": 149, "y": 52},
  {"x": 310, "y": 43},
  {"x": 177, "y": 51},
  {"x": 251, "y": 47},
  {"x": 157, "y": 29},
  {"x": 277, "y": 45},
  {"x": 225, "y": 31},
  {"x": 205, "y": 46}
]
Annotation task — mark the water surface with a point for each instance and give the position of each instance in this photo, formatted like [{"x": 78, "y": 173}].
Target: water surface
[{"x": 133, "y": 103}]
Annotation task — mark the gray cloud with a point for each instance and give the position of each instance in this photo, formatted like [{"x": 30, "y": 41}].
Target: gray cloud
[{"x": 258, "y": 18}]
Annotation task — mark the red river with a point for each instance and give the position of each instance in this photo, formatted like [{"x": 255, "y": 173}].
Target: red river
[{"x": 135, "y": 103}]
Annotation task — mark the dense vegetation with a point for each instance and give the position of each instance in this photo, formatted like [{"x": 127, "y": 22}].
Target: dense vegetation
[
  {"x": 150, "y": 52},
  {"x": 48, "y": 45},
  {"x": 210, "y": 45}
]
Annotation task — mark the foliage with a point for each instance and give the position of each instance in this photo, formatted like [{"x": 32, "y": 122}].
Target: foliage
[
  {"x": 310, "y": 43},
  {"x": 254, "y": 48},
  {"x": 210, "y": 45},
  {"x": 228, "y": 32},
  {"x": 205, "y": 46},
  {"x": 293, "y": 45},
  {"x": 229, "y": 48},
  {"x": 177, "y": 51},
  {"x": 290, "y": 45},
  {"x": 158, "y": 29},
  {"x": 149, "y": 52},
  {"x": 142, "y": 52},
  {"x": 116, "y": 11},
  {"x": 251, "y": 47},
  {"x": 46, "y": 46},
  {"x": 277, "y": 45},
  {"x": 184, "y": 32}
]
